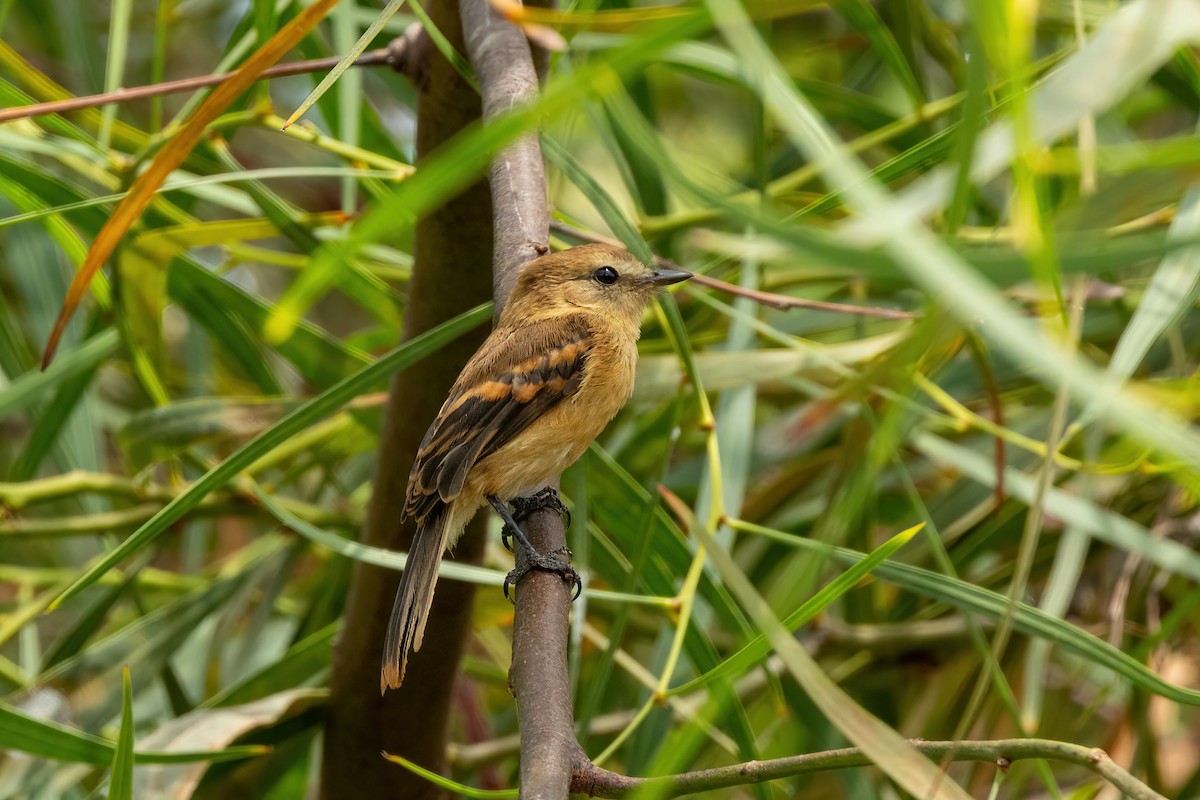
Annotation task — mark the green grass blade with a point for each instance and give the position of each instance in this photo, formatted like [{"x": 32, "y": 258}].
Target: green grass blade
[
  {"x": 616, "y": 220},
  {"x": 931, "y": 264},
  {"x": 1129, "y": 47},
  {"x": 114, "y": 73},
  {"x": 456, "y": 164},
  {"x": 1169, "y": 296},
  {"x": 454, "y": 787},
  {"x": 862, "y": 15}
]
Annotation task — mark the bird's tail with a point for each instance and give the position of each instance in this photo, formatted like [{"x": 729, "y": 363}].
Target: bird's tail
[{"x": 407, "y": 625}]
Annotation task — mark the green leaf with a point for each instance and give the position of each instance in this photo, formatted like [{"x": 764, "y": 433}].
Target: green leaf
[
  {"x": 1134, "y": 42},
  {"x": 457, "y": 163},
  {"x": 391, "y": 559},
  {"x": 301, "y": 662},
  {"x": 759, "y": 647},
  {"x": 28, "y": 388},
  {"x": 120, "y": 784},
  {"x": 456, "y": 788},
  {"x": 863, "y": 16},
  {"x": 1105, "y": 525},
  {"x": 347, "y": 60},
  {"x": 315, "y": 409},
  {"x": 44, "y": 739},
  {"x": 616, "y": 220},
  {"x": 990, "y": 605},
  {"x": 883, "y": 745}
]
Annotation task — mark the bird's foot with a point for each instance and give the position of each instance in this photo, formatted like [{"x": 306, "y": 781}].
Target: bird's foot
[
  {"x": 522, "y": 507},
  {"x": 531, "y": 559}
]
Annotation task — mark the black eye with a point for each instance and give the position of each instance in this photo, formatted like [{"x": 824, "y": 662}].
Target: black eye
[{"x": 606, "y": 275}]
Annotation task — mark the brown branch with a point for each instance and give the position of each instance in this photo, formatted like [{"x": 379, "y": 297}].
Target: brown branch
[
  {"x": 395, "y": 55},
  {"x": 596, "y": 782},
  {"x": 452, "y": 252},
  {"x": 782, "y": 302},
  {"x": 503, "y": 64}
]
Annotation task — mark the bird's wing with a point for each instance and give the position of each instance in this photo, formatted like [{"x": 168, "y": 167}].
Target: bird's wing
[{"x": 519, "y": 374}]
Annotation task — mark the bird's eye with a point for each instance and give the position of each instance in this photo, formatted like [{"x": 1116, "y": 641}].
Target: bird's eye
[{"x": 606, "y": 275}]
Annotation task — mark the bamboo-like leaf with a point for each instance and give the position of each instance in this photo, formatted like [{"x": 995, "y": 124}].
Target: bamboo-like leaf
[
  {"x": 624, "y": 230},
  {"x": 1171, "y": 293},
  {"x": 937, "y": 269},
  {"x": 1132, "y": 43},
  {"x": 173, "y": 154},
  {"x": 454, "y": 166},
  {"x": 886, "y": 748},
  {"x": 29, "y": 387},
  {"x": 456, "y": 788},
  {"x": 44, "y": 739},
  {"x": 394, "y": 560},
  {"x": 118, "y": 43},
  {"x": 120, "y": 782},
  {"x": 991, "y": 605},
  {"x": 863, "y": 16},
  {"x": 1101, "y": 523},
  {"x": 311, "y": 411},
  {"x": 347, "y": 60},
  {"x": 759, "y": 647}
]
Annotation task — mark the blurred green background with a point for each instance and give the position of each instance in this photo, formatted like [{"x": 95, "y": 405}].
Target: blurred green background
[{"x": 1017, "y": 175}]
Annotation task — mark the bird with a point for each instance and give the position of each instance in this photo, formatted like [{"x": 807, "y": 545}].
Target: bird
[{"x": 556, "y": 369}]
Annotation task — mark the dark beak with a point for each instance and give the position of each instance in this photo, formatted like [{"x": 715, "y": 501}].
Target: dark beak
[{"x": 665, "y": 277}]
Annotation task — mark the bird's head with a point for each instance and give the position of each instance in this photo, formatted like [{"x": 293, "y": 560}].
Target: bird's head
[{"x": 600, "y": 278}]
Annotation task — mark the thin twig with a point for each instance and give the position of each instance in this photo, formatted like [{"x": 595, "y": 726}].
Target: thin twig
[
  {"x": 596, "y": 782},
  {"x": 392, "y": 55},
  {"x": 782, "y": 302}
]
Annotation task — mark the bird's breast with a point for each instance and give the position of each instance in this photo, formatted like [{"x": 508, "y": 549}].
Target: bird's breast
[{"x": 563, "y": 433}]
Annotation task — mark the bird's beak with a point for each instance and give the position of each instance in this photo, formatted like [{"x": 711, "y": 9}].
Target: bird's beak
[{"x": 665, "y": 277}]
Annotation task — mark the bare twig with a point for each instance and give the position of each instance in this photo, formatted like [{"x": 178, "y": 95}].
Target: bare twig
[
  {"x": 394, "y": 55},
  {"x": 596, "y": 782},
  {"x": 780, "y": 301},
  {"x": 784, "y": 302}
]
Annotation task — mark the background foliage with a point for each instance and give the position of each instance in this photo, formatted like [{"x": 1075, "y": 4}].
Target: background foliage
[{"x": 1017, "y": 174}]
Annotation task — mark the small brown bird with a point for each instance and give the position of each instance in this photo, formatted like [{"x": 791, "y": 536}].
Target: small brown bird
[{"x": 556, "y": 369}]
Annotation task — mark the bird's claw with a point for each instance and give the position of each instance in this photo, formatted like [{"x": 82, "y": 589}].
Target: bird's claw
[
  {"x": 547, "y": 497},
  {"x": 548, "y": 562}
]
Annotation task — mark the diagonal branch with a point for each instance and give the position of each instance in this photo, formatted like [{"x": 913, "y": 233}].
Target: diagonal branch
[{"x": 397, "y": 55}]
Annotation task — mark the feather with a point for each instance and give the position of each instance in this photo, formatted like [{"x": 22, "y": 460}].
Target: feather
[
  {"x": 529, "y": 370},
  {"x": 406, "y": 627}
]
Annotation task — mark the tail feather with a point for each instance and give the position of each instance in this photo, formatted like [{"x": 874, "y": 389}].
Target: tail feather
[{"x": 407, "y": 625}]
